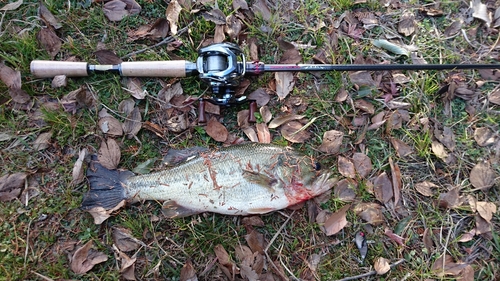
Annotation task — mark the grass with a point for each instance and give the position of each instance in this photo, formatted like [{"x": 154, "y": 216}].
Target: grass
[{"x": 37, "y": 239}]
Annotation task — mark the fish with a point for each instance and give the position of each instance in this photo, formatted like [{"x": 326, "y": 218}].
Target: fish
[{"x": 245, "y": 179}]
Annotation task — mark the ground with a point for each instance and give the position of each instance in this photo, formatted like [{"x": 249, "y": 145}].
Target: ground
[{"x": 416, "y": 152}]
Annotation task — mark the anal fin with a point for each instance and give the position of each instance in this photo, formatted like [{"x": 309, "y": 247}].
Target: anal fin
[{"x": 172, "y": 210}]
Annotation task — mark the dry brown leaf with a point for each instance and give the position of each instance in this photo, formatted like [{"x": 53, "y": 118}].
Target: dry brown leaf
[
  {"x": 382, "y": 187},
  {"x": 446, "y": 137},
  {"x": 482, "y": 176},
  {"x": 494, "y": 97},
  {"x": 346, "y": 167},
  {"x": 341, "y": 95},
  {"x": 427, "y": 240},
  {"x": 250, "y": 133},
  {"x": 172, "y": 13},
  {"x": 362, "y": 78},
  {"x": 109, "y": 154},
  {"x": 187, "y": 272},
  {"x": 407, "y": 24},
  {"x": 159, "y": 29},
  {"x": 291, "y": 56},
  {"x": 12, "y": 78},
  {"x": 450, "y": 199},
  {"x": 467, "y": 274},
  {"x": 484, "y": 136},
  {"x": 253, "y": 221},
  {"x": 365, "y": 106},
  {"x": 439, "y": 150},
  {"x": 107, "y": 57},
  {"x": 256, "y": 241},
  {"x": 482, "y": 226},
  {"x": 11, "y": 185},
  {"x": 263, "y": 133},
  {"x": 280, "y": 120},
  {"x": 370, "y": 212},
  {"x": 332, "y": 141},
  {"x": 396, "y": 180},
  {"x": 467, "y": 236},
  {"x": 84, "y": 258},
  {"x": 49, "y": 41},
  {"x": 116, "y": 10},
  {"x": 59, "y": 81},
  {"x": 362, "y": 164},
  {"x": 260, "y": 7},
  {"x": 345, "y": 190},
  {"x": 394, "y": 237},
  {"x": 42, "y": 141},
  {"x": 127, "y": 267},
  {"x": 216, "y": 130},
  {"x": 294, "y": 132},
  {"x": 48, "y": 17},
  {"x": 227, "y": 266},
  {"x": 79, "y": 98},
  {"x": 381, "y": 266},
  {"x": 266, "y": 114},
  {"x": 132, "y": 124},
  {"x": 425, "y": 188},
  {"x": 336, "y": 222},
  {"x": 242, "y": 118},
  {"x": 284, "y": 84},
  {"x": 445, "y": 265},
  {"x": 30, "y": 192},
  {"x": 124, "y": 241},
  {"x": 111, "y": 126},
  {"x": 233, "y": 26},
  {"x": 260, "y": 96},
  {"x": 100, "y": 214},
  {"x": 486, "y": 210},
  {"x": 78, "y": 174},
  {"x": 480, "y": 11},
  {"x": 402, "y": 149},
  {"x": 12, "y": 6},
  {"x": 219, "y": 36}
]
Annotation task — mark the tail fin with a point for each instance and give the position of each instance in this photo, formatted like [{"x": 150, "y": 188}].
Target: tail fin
[{"x": 106, "y": 187}]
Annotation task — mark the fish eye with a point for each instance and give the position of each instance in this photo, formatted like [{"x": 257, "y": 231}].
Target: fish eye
[{"x": 317, "y": 166}]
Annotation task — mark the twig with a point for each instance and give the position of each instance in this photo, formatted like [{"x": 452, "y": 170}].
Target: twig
[
  {"x": 271, "y": 242},
  {"x": 42, "y": 276},
  {"x": 167, "y": 40},
  {"x": 373, "y": 272}
]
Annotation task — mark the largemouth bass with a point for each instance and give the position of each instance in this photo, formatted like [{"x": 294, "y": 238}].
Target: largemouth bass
[{"x": 238, "y": 180}]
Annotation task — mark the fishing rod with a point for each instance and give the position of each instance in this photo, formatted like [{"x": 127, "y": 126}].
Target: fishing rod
[{"x": 221, "y": 66}]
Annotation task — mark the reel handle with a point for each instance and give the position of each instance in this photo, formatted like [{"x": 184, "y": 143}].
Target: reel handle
[{"x": 176, "y": 68}]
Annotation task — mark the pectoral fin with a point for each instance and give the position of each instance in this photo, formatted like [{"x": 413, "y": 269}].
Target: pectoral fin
[
  {"x": 173, "y": 210},
  {"x": 260, "y": 179}
]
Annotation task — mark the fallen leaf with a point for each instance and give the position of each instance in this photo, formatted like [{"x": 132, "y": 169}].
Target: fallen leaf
[
  {"x": 439, "y": 150},
  {"x": 49, "y": 41},
  {"x": 370, "y": 212},
  {"x": 111, "y": 126},
  {"x": 482, "y": 226},
  {"x": 425, "y": 188},
  {"x": 407, "y": 24},
  {"x": 109, "y": 154},
  {"x": 467, "y": 274},
  {"x": 486, "y": 210},
  {"x": 291, "y": 56},
  {"x": 11, "y": 185},
  {"x": 100, "y": 214},
  {"x": 482, "y": 176},
  {"x": 467, "y": 236},
  {"x": 42, "y": 141},
  {"x": 263, "y": 133},
  {"x": 346, "y": 167},
  {"x": 123, "y": 239},
  {"x": 294, "y": 132},
  {"x": 260, "y": 7},
  {"x": 394, "y": 237},
  {"x": 332, "y": 141},
  {"x": 59, "y": 81},
  {"x": 178, "y": 123},
  {"x": 30, "y": 192},
  {"x": 227, "y": 266},
  {"x": 446, "y": 137},
  {"x": 172, "y": 13},
  {"x": 187, "y": 272},
  {"x": 127, "y": 267},
  {"x": 427, "y": 240},
  {"x": 341, "y": 95},
  {"x": 402, "y": 149},
  {"x": 484, "y": 136},
  {"x": 396, "y": 180},
  {"x": 494, "y": 97},
  {"x": 159, "y": 29},
  {"x": 216, "y": 130},
  {"x": 345, "y": 190},
  {"x": 365, "y": 106},
  {"x": 84, "y": 258},
  {"x": 444, "y": 265},
  {"x": 381, "y": 266},
  {"x": 256, "y": 241},
  {"x": 252, "y": 221},
  {"x": 48, "y": 17},
  {"x": 382, "y": 187},
  {"x": 116, "y": 10},
  {"x": 362, "y": 164},
  {"x": 336, "y": 221},
  {"x": 284, "y": 84},
  {"x": 450, "y": 199},
  {"x": 260, "y": 96},
  {"x": 107, "y": 57},
  {"x": 233, "y": 26},
  {"x": 78, "y": 174},
  {"x": 480, "y": 11},
  {"x": 266, "y": 114},
  {"x": 362, "y": 78},
  {"x": 219, "y": 35},
  {"x": 12, "y": 6},
  {"x": 391, "y": 47},
  {"x": 250, "y": 133},
  {"x": 132, "y": 124},
  {"x": 280, "y": 120}
]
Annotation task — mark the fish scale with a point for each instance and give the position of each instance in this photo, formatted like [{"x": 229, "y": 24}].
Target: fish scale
[{"x": 238, "y": 180}]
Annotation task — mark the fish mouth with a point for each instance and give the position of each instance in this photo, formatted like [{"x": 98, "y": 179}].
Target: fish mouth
[{"x": 322, "y": 184}]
